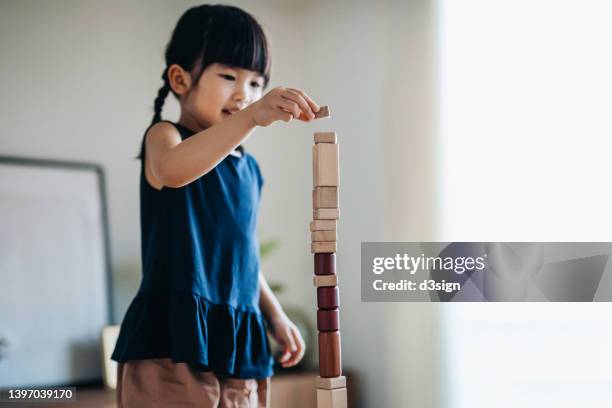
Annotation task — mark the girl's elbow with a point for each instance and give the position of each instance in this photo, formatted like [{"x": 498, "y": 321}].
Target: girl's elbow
[
  {"x": 170, "y": 178},
  {"x": 174, "y": 181}
]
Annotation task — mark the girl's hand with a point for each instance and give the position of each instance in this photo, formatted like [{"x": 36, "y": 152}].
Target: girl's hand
[
  {"x": 289, "y": 338},
  {"x": 283, "y": 104}
]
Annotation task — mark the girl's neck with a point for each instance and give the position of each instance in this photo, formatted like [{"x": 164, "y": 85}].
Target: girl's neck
[{"x": 191, "y": 123}]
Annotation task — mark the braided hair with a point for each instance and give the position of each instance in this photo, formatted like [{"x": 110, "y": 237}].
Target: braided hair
[
  {"x": 161, "y": 98},
  {"x": 209, "y": 34}
]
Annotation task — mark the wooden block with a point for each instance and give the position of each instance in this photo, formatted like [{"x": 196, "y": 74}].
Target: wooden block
[
  {"x": 324, "y": 264},
  {"x": 323, "y": 247},
  {"x": 325, "y": 137},
  {"x": 325, "y": 169},
  {"x": 322, "y": 113},
  {"x": 330, "y": 364},
  {"x": 325, "y": 280},
  {"x": 323, "y": 225},
  {"x": 325, "y": 197},
  {"x": 331, "y": 383},
  {"x": 328, "y": 297},
  {"x": 323, "y": 236},
  {"x": 326, "y": 214},
  {"x": 335, "y": 398},
  {"x": 328, "y": 320}
]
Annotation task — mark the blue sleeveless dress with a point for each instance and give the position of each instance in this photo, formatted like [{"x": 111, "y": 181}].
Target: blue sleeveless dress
[{"x": 198, "y": 300}]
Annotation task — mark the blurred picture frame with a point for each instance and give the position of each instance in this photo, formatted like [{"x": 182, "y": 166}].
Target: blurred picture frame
[{"x": 55, "y": 268}]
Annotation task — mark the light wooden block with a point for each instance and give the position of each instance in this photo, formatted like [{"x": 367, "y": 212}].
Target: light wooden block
[
  {"x": 325, "y": 197},
  {"x": 326, "y": 214},
  {"x": 323, "y": 247},
  {"x": 335, "y": 398},
  {"x": 325, "y": 169},
  {"x": 323, "y": 225},
  {"x": 325, "y": 280},
  {"x": 322, "y": 113},
  {"x": 331, "y": 383},
  {"x": 323, "y": 236},
  {"x": 325, "y": 137}
]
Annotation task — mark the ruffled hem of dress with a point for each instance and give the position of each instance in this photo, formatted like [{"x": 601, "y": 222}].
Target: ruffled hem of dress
[{"x": 189, "y": 328}]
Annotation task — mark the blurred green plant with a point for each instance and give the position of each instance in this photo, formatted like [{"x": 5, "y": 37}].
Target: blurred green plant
[{"x": 266, "y": 248}]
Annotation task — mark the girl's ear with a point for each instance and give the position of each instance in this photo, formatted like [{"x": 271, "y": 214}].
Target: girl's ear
[{"x": 179, "y": 79}]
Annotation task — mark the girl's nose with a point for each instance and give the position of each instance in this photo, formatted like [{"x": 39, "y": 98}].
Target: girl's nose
[{"x": 241, "y": 93}]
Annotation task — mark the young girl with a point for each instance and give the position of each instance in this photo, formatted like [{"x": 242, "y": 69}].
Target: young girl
[{"x": 194, "y": 335}]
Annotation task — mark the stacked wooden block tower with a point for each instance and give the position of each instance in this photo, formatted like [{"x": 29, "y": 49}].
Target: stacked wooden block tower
[{"x": 331, "y": 385}]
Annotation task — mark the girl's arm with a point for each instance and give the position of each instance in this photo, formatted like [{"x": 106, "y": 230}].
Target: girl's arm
[
  {"x": 282, "y": 329},
  {"x": 269, "y": 305},
  {"x": 176, "y": 163}
]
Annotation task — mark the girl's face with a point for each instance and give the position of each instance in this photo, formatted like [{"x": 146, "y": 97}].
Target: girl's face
[{"x": 221, "y": 91}]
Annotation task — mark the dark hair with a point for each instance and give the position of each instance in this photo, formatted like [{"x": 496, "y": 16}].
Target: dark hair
[{"x": 210, "y": 34}]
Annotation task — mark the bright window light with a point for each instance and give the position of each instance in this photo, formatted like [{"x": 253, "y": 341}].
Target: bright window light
[{"x": 526, "y": 147}]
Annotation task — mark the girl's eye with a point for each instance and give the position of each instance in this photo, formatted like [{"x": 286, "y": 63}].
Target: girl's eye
[
  {"x": 255, "y": 84},
  {"x": 228, "y": 77}
]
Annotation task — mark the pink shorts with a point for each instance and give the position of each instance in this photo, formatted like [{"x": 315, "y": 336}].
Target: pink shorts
[{"x": 161, "y": 383}]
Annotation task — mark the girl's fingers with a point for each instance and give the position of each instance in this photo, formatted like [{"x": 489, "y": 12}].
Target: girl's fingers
[
  {"x": 301, "y": 349},
  {"x": 290, "y": 106},
  {"x": 291, "y": 343},
  {"x": 298, "y": 353},
  {"x": 284, "y": 357},
  {"x": 300, "y": 101},
  {"x": 313, "y": 105},
  {"x": 291, "y": 349},
  {"x": 284, "y": 113}
]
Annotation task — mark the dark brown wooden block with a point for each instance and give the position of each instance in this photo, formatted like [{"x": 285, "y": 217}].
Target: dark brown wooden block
[
  {"x": 328, "y": 320},
  {"x": 328, "y": 297},
  {"x": 330, "y": 364},
  {"x": 324, "y": 264}
]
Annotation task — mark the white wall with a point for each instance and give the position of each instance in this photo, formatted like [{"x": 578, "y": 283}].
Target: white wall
[{"x": 79, "y": 79}]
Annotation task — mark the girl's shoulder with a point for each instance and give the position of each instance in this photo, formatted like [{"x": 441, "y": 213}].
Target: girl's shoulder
[
  {"x": 168, "y": 128},
  {"x": 254, "y": 166},
  {"x": 163, "y": 133}
]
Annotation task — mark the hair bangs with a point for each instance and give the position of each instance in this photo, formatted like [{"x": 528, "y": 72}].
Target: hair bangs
[{"x": 237, "y": 40}]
